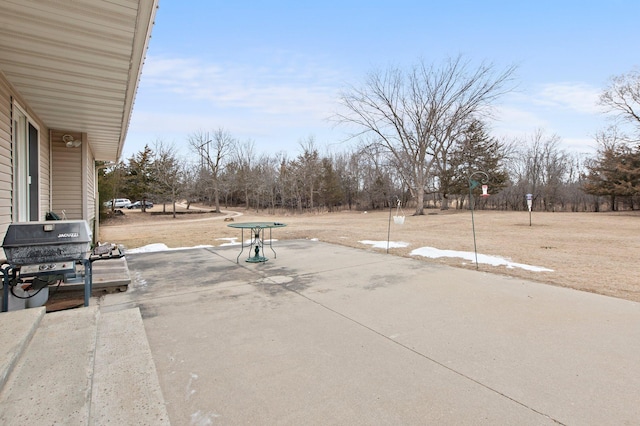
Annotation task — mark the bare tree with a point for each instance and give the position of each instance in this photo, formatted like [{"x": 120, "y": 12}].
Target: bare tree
[
  {"x": 377, "y": 186},
  {"x": 622, "y": 98},
  {"x": 191, "y": 172},
  {"x": 540, "y": 169},
  {"x": 169, "y": 173},
  {"x": 309, "y": 170},
  {"x": 245, "y": 163},
  {"x": 346, "y": 166},
  {"x": 213, "y": 152},
  {"x": 266, "y": 184},
  {"x": 414, "y": 115},
  {"x": 282, "y": 179}
]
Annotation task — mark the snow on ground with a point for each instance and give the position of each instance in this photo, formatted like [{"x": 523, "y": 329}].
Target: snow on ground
[
  {"x": 430, "y": 252},
  {"x": 160, "y": 247},
  {"x": 234, "y": 242},
  {"x": 231, "y": 241},
  {"x": 383, "y": 244},
  {"x": 435, "y": 253}
]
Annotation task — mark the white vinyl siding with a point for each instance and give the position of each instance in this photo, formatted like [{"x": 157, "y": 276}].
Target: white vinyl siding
[
  {"x": 67, "y": 177},
  {"x": 91, "y": 190},
  {"x": 45, "y": 173},
  {"x": 6, "y": 180},
  {"x": 9, "y": 100}
]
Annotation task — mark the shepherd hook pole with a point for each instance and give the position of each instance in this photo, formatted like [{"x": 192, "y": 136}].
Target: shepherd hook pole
[
  {"x": 389, "y": 226},
  {"x": 473, "y": 184}
]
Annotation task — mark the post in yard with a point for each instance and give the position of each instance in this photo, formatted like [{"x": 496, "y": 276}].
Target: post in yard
[{"x": 473, "y": 184}]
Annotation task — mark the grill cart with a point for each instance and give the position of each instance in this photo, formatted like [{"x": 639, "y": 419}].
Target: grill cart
[{"x": 43, "y": 253}]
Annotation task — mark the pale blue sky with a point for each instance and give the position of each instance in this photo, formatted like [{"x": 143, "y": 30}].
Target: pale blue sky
[{"x": 271, "y": 71}]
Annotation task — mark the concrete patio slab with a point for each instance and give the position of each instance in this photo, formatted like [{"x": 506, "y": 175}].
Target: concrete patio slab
[
  {"x": 15, "y": 334},
  {"x": 324, "y": 334}
]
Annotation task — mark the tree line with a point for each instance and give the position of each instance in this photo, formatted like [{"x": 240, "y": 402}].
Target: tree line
[{"x": 420, "y": 135}]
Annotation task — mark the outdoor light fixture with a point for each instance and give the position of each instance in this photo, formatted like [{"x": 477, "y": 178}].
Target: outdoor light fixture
[{"x": 70, "y": 142}]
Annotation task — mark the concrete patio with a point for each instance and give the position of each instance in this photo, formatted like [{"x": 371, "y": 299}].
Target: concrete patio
[
  {"x": 329, "y": 334},
  {"x": 326, "y": 334}
]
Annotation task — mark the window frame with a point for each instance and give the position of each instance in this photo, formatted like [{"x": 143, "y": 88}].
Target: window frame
[{"x": 26, "y": 166}]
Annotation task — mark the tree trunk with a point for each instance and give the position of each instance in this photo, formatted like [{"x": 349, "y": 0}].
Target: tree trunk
[
  {"x": 445, "y": 202},
  {"x": 216, "y": 196},
  {"x": 419, "y": 203}
]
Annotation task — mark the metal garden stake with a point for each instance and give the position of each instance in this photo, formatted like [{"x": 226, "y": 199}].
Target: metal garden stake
[{"x": 473, "y": 184}]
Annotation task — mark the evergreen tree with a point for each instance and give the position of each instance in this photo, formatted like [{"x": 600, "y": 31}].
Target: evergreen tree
[
  {"x": 615, "y": 173},
  {"x": 475, "y": 151},
  {"x": 111, "y": 181},
  {"x": 140, "y": 178},
  {"x": 330, "y": 188}
]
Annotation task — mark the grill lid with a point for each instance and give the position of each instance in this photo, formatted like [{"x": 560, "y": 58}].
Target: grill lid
[
  {"x": 39, "y": 242},
  {"x": 46, "y": 233}
]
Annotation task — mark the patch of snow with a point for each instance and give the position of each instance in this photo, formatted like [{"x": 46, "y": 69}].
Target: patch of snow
[
  {"x": 383, "y": 244},
  {"x": 161, "y": 247},
  {"x": 233, "y": 241},
  {"x": 435, "y": 253}
]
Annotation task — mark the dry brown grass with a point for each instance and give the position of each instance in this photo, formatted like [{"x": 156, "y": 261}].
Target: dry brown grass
[{"x": 596, "y": 252}]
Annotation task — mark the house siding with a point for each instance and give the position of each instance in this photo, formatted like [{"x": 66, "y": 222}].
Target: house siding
[
  {"x": 89, "y": 178},
  {"x": 88, "y": 90},
  {"x": 67, "y": 181},
  {"x": 91, "y": 187},
  {"x": 6, "y": 181},
  {"x": 7, "y": 96}
]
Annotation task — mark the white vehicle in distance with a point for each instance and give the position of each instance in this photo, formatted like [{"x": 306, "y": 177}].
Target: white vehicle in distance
[{"x": 118, "y": 203}]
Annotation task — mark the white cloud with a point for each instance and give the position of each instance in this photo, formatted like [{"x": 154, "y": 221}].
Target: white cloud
[
  {"x": 283, "y": 88},
  {"x": 285, "y": 98},
  {"x": 276, "y": 105},
  {"x": 516, "y": 121},
  {"x": 569, "y": 110},
  {"x": 578, "y": 97},
  {"x": 580, "y": 145}
]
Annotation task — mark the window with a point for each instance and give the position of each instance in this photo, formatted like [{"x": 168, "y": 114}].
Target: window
[{"x": 25, "y": 167}]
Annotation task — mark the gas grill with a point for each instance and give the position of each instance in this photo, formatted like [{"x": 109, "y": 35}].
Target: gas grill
[{"x": 39, "y": 253}]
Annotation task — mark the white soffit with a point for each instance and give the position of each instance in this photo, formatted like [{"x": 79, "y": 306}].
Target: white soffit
[{"x": 76, "y": 63}]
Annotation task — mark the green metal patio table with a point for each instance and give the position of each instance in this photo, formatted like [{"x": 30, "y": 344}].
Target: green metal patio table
[{"x": 257, "y": 239}]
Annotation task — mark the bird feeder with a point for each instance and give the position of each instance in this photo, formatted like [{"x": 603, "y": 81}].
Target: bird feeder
[
  {"x": 398, "y": 219},
  {"x": 485, "y": 189}
]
